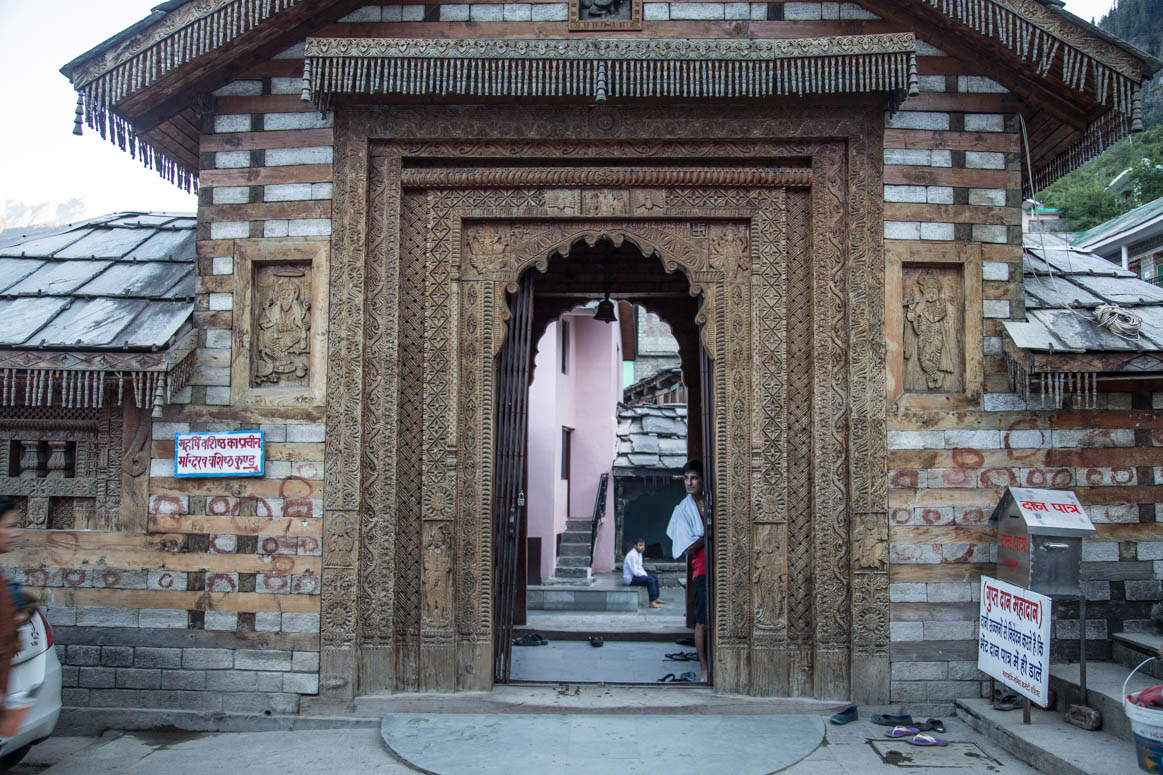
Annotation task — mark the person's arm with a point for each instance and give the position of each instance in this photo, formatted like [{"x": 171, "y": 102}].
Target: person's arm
[{"x": 698, "y": 544}]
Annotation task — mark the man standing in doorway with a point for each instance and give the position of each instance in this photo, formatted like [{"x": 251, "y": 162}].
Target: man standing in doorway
[{"x": 686, "y": 531}]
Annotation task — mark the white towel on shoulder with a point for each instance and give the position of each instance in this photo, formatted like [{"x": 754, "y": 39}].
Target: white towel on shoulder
[{"x": 685, "y": 526}]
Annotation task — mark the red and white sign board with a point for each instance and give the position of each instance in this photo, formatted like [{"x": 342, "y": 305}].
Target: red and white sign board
[
  {"x": 232, "y": 453},
  {"x": 1014, "y": 641}
]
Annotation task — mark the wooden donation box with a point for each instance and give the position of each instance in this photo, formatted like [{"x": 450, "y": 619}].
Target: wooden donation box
[{"x": 1039, "y": 535}]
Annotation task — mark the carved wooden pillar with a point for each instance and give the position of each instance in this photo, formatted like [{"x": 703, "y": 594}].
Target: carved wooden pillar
[
  {"x": 58, "y": 459},
  {"x": 29, "y": 459}
]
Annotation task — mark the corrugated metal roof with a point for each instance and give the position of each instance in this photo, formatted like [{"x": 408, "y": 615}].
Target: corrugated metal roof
[
  {"x": 1125, "y": 222},
  {"x": 123, "y": 281},
  {"x": 1057, "y": 274}
]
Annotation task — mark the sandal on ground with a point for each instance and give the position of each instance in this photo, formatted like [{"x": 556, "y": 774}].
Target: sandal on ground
[
  {"x": 845, "y": 716},
  {"x": 925, "y": 740},
  {"x": 901, "y": 732},
  {"x": 681, "y": 678},
  {"x": 1005, "y": 700},
  {"x": 935, "y": 724},
  {"x": 888, "y": 720},
  {"x": 685, "y": 642},
  {"x": 530, "y": 639},
  {"x": 596, "y": 641},
  {"x": 683, "y": 656}
]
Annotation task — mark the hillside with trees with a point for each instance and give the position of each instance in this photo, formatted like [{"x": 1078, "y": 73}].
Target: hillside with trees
[{"x": 1081, "y": 196}]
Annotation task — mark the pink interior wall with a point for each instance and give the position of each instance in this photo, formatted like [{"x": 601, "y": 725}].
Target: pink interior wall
[
  {"x": 544, "y": 454},
  {"x": 584, "y": 399}
]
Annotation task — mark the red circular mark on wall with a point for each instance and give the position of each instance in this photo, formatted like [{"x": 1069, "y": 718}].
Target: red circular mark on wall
[
  {"x": 307, "y": 471},
  {"x": 166, "y": 580},
  {"x": 957, "y": 477},
  {"x": 167, "y": 504},
  {"x": 967, "y": 457},
  {"x": 74, "y": 577},
  {"x": 1093, "y": 477},
  {"x": 999, "y": 477},
  {"x": 110, "y": 578},
  {"x": 220, "y": 505},
  {"x": 906, "y": 477},
  {"x": 930, "y": 516},
  {"x": 295, "y": 487},
  {"x": 310, "y": 544},
  {"x": 1062, "y": 477},
  {"x": 270, "y": 545},
  {"x": 972, "y": 517},
  {"x": 1122, "y": 475},
  {"x": 36, "y": 577},
  {"x": 272, "y": 582},
  {"x": 1028, "y": 424},
  {"x": 220, "y": 582},
  {"x": 62, "y": 546},
  {"x": 283, "y": 564}
]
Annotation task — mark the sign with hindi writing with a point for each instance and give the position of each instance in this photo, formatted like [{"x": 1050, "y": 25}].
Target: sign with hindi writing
[
  {"x": 1053, "y": 512},
  {"x": 230, "y": 453},
  {"x": 1014, "y": 641}
]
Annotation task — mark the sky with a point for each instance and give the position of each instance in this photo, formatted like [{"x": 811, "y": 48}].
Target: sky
[{"x": 48, "y": 175}]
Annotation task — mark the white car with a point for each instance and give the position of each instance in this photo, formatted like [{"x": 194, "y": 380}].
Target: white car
[{"x": 35, "y": 679}]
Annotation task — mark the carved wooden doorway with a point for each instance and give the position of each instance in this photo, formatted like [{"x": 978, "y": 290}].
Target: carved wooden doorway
[{"x": 780, "y": 232}]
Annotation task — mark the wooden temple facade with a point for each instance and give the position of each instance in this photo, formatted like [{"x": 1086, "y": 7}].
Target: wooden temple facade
[{"x": 821, "y": 199}]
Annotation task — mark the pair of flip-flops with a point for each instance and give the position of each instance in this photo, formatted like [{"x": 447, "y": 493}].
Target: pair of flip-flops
[
  {"x": 530, "y": 639},
  {"x": 681, "y": 678},
  {"x": 913, "y": 736},
  {"x": 683, "y": 656},
  {"x": 596, "y": 641},
  {"x": 1003, "y": 700}
]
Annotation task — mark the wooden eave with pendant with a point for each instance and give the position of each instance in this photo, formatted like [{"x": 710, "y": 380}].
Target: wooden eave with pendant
[{"x": 1077, "y": 86}]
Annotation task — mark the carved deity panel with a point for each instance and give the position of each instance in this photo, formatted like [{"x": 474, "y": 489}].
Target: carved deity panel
[
  {"x": 281, "y": 354},
  {"x": 934, "y": 334},
  {"x": 599, "y": 15}
]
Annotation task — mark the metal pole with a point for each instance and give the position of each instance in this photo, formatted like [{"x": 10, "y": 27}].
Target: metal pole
[{"x": 1082, "y": 648}]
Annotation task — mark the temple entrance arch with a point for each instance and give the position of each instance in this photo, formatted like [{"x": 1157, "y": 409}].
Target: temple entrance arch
[{"x": 794, "y": 319}]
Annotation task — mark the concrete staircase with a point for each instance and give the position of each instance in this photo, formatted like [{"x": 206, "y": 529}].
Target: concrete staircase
[{"x": 573, "y": 556}]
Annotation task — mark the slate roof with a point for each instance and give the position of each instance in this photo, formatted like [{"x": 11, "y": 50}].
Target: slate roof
[
  {"x": 651, "y": 436},
  {"x": 1128, "y": 222},
  {"x": 120, "y": 282},
  {"x": 1055, "y": 272}
]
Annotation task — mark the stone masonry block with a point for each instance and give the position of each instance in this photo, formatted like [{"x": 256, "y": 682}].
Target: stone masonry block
[
  {"x": 412, "y": 13},
  {"x": 984, "y": 122},
  {"x": 286, "y": 85},
  {"x": 163, "y": 618},
  {"x": 985, "y": 160},
  {"x": 557, "y": 12},
  {"x": 116, "y": 656},
  {"x": 518, "y": 12},
  {"x": 939, "y": 195},
  {"x": 964, "y": 671},
  {"x": 309, "y": 227},
  {"x": 936, "y": 231},
  {"x": 129, "y": 678},
  {"x": 908, "y": 691},
  {"x": 232, "y": 681},
  {"x": 950, "y": 630},
  {"x": 856, "y": 11},
  {"x": 106, "y": 617},
  {"x": 993, "y": 234},
  {"x": 308, "y": 623},
  {"x": 1100, "y": 551},
  {"x": 268, "y": 621},
  {"x": 87, "y": 656},
  {"x": 697, "y": 11},
  {"x": 487, "y": 12},
  {"x": 254, "y": 702},
  {"x": 802, "y": 12},
  {"x": 282, "y": 157},
  {"x": 184, "y": 680},
  {"x": 230, "y": 195},
  {"x": 991, "y": 197},
  {"x": 229, "y": 230},
  {"x": 221, "y": 302},
  {"x": 207, "y": 659},
  {"x": 301, "y": 683},
  {"x": 166, "y": 579},
  {"x": 243, "y": 89},
  {"x": 231, "y": 159},
  {"x": 269, "y": 682},
  {"x": 975, "y": 439},
  {"x": 737, "y": 11},
  {"x": 916, "y": 440},
  {"x": 369, "y": 13},
  {"x": 290, "y": 121},
  {"x": 949, "y": 593},
  {"x": 910, "y": 230},
  {"x": 306, "y": 433},
  {"x": 1147, "y": 589},
  {"x": 904, "y": 194},
  {"x": 232, "y": 123},
  {"x": 221, "y": 620},
  {"x": 305, "y": 661},
  {"x": 1149, "y": 550},
  {"x": 97, "y": 677},
  {"x": 1004, "y": 402},
  {"x": 979, "y": 84},
  {"x": 222, "y": 265},
  {"x": 995, "y": 308},
  {"x": 917, "y": 157},
  {"x": 286, "y": 192},
  {"x": 454, "y": 13},
  {"x": 931, "y": 83},
  {"x": 906, "y": 631},
  {"x": 255, "y": 659},
  {"x": 153, "y": 657},
  {"x": 1100, "y": 590},
  {"x": 920, "y": 671},
  {"x": 998, "y": 271},
  {"x": 917, "y": 120}
]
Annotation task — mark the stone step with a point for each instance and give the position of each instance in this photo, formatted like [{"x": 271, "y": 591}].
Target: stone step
[
  {"x": 576, "y": 537},
  {"x": 574, "y": 550},
  {"x": 572, "y": 573},
  {"x": 1130, "y": 648},
  {"x": 579, "y": 525},
  {"x": 559, "y": 598},
  {"x": 573, "y": 561},
  {"x": 1104, "y": 691}
]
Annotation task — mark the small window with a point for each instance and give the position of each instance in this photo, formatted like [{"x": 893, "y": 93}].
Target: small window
[{"x": 564, "y": 349}]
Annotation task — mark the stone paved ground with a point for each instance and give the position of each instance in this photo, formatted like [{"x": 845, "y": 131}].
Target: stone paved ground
[{"x": 855, "y": 749}]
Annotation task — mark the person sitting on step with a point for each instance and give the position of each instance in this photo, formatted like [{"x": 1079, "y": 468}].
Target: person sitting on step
[{"x": 634, "y": 575}]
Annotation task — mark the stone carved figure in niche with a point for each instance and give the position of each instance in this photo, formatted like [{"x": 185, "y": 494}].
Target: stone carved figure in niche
[
  {"x": 930, "y": 317},
  {"x": 605, "y": 9},
  {"x": 283, "y": 332}
]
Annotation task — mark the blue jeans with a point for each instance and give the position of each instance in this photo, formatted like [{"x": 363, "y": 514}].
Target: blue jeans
[{"x": 650, "y": 581}]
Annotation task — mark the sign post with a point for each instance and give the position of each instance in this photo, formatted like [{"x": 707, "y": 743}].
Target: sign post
[
  {"x": 231, "y": 453},
  {"x": 1014, "y": 645}
]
